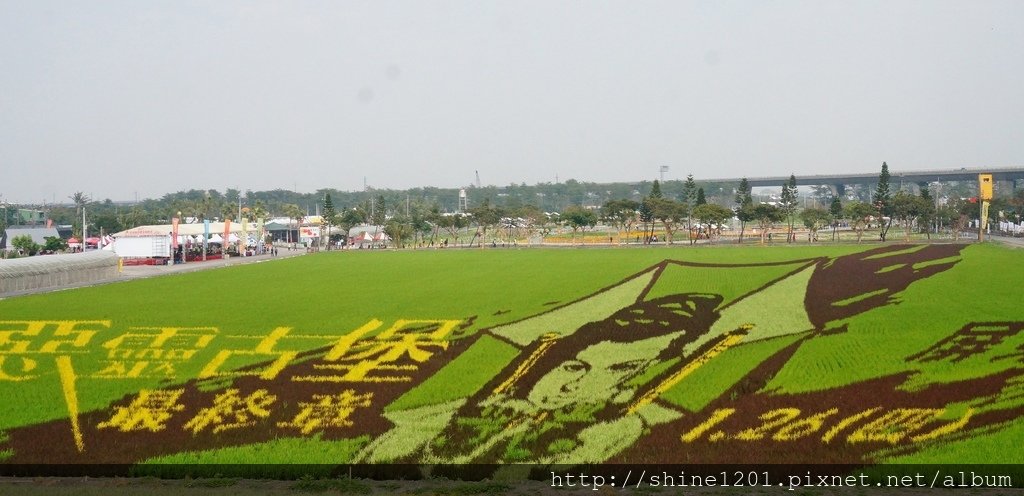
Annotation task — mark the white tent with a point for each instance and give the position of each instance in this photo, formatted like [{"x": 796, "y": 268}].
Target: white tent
[{"x": 185, "y": 229}]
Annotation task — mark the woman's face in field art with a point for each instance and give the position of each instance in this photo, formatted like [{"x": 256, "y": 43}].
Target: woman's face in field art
[{"x": 598, "y": 374}]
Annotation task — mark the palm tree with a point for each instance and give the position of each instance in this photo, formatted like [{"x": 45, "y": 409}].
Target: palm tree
[
  {"x": 80, "y": 199},
  {"x": 227, "y": 211},
  {"x": 292, "y": 211}
]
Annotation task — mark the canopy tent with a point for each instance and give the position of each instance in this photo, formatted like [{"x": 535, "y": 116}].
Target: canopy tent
[{"x": 185, "y": 229}]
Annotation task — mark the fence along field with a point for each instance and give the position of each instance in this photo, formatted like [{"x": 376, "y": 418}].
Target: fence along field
[{"x": 734, "y": 355}]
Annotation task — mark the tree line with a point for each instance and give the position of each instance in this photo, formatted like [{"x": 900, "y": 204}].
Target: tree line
[{"x": 426, "y": 215}]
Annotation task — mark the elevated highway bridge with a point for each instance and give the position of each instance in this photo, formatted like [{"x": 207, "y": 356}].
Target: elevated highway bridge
[{"x": 837, "y": 181}]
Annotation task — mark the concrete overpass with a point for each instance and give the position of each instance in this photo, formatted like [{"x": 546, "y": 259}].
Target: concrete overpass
[{"x": 917, "y": 176}]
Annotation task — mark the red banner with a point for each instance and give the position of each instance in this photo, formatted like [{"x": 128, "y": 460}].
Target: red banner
[{"x": 227, "y": 232}]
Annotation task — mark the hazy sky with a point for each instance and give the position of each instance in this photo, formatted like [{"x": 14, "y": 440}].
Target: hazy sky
[{"x": 144, "y": 97}]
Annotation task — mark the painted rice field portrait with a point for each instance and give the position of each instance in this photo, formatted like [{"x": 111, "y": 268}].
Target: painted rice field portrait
[{"x": 849, "y": 354}]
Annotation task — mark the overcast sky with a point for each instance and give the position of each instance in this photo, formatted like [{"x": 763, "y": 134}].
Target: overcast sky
[{"x": 144, "y": 97}]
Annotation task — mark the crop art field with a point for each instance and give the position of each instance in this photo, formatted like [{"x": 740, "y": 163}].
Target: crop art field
[{"x": 856, "y": 355}]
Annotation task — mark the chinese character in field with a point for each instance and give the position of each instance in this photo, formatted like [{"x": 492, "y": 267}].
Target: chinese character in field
[
  {"x": 328, "y": 410},
  {"x": 264, "y": 351},
  {"x": 149, "y": 411},
  {"x": 389, "y": 356},
  {"x": 47, "y": 336},
  {"x": 24, "y": 342},
  {"x": 231, "y": 411},
  {"x": 17, "y": 369},
  {"x": 153, "y": 351}
]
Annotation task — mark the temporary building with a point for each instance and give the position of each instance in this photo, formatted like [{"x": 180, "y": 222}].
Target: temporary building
[
  {"x": 155, "y": 240},
  {"x": 56, "y": 271}
]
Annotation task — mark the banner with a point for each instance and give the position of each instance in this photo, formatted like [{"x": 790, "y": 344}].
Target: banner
[
  {"x": 174, "y": 236},
  {"x": 227, "y": 233},
  {"x": 262, "y": 237},
  {"x": 206, "y": 236},
  {"x": 243, "y": 240}
]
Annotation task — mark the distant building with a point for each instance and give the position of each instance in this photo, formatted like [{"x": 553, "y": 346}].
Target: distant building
[
  {"x": 38, "y": 235},
  {"x": 31, "y": 217}
]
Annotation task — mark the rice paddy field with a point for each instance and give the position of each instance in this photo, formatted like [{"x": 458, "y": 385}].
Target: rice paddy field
[{"x": 500, "y": 359}]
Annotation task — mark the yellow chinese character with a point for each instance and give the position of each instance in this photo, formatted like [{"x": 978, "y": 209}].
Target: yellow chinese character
[
  {"x": 328, "y": 411},
  {"x": 152, "y": 351},
  {"x": 47, "y": 336},
  {"x": 230, "y": 411},
  {"x": 150, "y": 411},
  {"x": 356, "y": 360},
  {"x": 17, "y": 374},
  {"x": 266, "y": 347}
]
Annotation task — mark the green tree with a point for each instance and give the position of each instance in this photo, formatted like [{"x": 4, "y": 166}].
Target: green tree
[
  {"x": 882, "y": 201},
  {"x": 54, "y": 244},
  {"x": 655, "y": 190},
  {"x": 713, "y": 217},
  {"x": 453, "y": 223},
  {"x": 579, "y": 218},
  {"x": 420, "y": 226},
  {"x": 486, "y": 216},
  {"x": 25, "y": 244},
  {"x": 701, "y": 199},
  {"x": 350, "y": 218},
  {"x": 815, "y": 218},
  {"x": 671, "y": 214},
  {"x": 399, "y": 229},
  {"x": 689, "y": 198},
  {"x": 80, "y": 200},
  {"x": 533, "y": 219},
  {"x": 859, "y": 214},
  {"x": 646, "y": 215},
  {"x": 228, "y": 212},
  {"x": 909, "y": 210},
  {"x": 293, "y": 212},
  {"x": 330, "y": 217},
  {"x": 744, "y": 206},
  {"x": 766, "y": 216},
  {"x": 927, "y": 214},
  {"x": 378, "y": 211},
  {"x": 954, "y": 215},
  {"x": 835, "y": 210},
  {"x": 788, "y": 205},
  {"x": 620, "y": 213}
]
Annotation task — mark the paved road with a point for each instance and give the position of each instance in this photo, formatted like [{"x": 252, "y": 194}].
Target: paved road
[{"x": 1015, "y": 242}]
